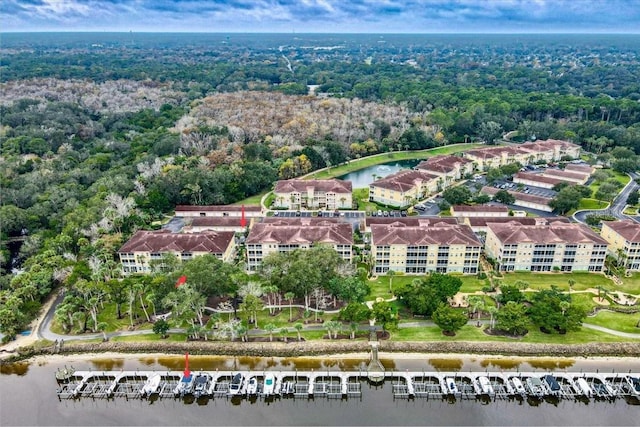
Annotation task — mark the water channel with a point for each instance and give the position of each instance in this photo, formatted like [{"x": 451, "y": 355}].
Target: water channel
[
  {"x": 28, "y": 396},
  {"x": 363, "y": 177}
]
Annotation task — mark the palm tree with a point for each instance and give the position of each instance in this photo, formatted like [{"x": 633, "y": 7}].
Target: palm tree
[
  {"x": 298, "y": 327},
  {"x": 102, "y": 327},
  {"x": 477, "y": 303},
  {"x": 391, "y": 273},
  {"x": 492, "y": 311},
  {"x": 564, "y": 305},
  {"x": 243, "y": 331},
  {"x": 290, "y": 296},
  {"x": 571, "y": 283},
  {"x": 270, "y": 328},
  {"x": 332, "y": 327},
  {"x": 353, "y": 328},
  {"x": 283, "y": 333}
]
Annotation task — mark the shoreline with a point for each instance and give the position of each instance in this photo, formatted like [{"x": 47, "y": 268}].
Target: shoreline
[{"x": 327, "y": 350}]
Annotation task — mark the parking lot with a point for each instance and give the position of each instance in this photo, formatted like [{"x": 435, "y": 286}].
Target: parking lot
[
  {"x": 527, "y": 189},
  {"x": 325, "y": 214}
]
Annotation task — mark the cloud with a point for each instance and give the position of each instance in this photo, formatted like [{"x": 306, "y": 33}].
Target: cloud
[{"x": 322, "y": 15}]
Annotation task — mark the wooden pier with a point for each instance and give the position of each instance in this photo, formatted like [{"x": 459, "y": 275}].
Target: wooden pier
[{"x": 348, "y": 384}]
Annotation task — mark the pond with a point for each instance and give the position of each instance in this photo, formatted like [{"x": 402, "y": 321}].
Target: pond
[{"x": 363, "y": 177}]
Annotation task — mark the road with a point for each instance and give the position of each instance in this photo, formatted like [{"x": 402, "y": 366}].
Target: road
[{"x": 617, "y": 207}]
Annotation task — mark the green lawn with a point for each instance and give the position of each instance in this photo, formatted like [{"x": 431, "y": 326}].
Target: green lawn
[
  {"x": 617, "y": 321},
  {"x": 473, "y": 333},
  {"x": 361, "y": 197},
  {"x": 472, "y": 283},
  {"x": 253, "y": 200},
  {"x": 380, "y": 286},
  {"x": 630, "y": 284},
  {"x": 620, "y": 177},
  {"x": 388, "y": 157},
  {"x": 545, "y": 280},
  {"x": 592, "y": 204}
]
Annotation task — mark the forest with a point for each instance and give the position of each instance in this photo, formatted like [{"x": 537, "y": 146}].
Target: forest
[{"x": 103, "y": 134}]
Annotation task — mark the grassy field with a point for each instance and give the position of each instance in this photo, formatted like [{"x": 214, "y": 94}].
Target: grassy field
[
  {"x": 545, "y": 280},
  {"x": 361, "y": 197},
  {"x": 389, "y": 157},
  {"x": 631, "y": 284},
  {"x": 473, "y": 333},
  {"x": 592, "y": 204},
  {"x": 620, "y": 177},
  {"x": 253, "y": 200},
  {"x": 616, "y": 321}
]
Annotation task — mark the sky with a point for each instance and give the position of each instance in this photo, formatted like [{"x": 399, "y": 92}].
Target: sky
[{"x": 323, "y": 16}]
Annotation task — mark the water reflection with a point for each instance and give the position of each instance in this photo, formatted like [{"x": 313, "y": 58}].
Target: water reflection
[
  {"x": 500, "y": 363},
  {"x": 108, "y": 364},
  {"x": 446, "y": 364},
  {"x": 551, "y": 364}
]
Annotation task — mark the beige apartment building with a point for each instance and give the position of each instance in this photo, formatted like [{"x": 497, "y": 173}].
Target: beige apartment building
[
  {"x": 289, "y": 234},
  {"x": 556, "y": 246},
  {"x": 146, "y": 246},
  {"x": 449, "y": 168},
  {"x": 313, "y": 194},
  {"x": 405, "y": 187},
  {"x": 550, "y": 150},
  {"x": 435, "y": 246},
  {"x": 624, "y": 239}
]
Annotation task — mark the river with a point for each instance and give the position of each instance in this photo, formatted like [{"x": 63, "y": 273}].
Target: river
[
  {"x": 361, "y": 178},
  {"x": 28, "y": 397}
]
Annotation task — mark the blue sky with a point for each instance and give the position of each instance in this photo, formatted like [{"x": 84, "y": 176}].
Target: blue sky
[{"x": 324, "y": 16}]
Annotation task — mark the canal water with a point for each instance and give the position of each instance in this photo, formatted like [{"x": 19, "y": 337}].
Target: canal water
[
  {"x": 363, "y": 177},
  {"x": 27, "y": 397}
]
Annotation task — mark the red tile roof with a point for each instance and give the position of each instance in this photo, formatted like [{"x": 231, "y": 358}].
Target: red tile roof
[
  {"x": 537, "y": 177},
  {"x": 480, "y": 208},
  {"x": 413, "y": 221},
  {"x": 555, "y": 232},
  {"x": 442, "y": 163},
  {"x": 628, "y": 229},
  {"x": 403, "y": 181},
  {"x": 483, "y": 221},
  {"x": 318, "y": 185},
  {"x": 438, "y": 234},
  {"x": 215, "y": 242},
  {"x": 302, "y": 231}
]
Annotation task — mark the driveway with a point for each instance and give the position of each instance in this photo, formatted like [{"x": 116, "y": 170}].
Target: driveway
[{"x": 617, "y": 207}]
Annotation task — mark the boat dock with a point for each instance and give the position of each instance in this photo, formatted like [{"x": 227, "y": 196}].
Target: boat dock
[{"x": 348, "y": 384}]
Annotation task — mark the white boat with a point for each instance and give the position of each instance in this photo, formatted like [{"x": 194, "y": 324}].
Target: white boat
[
  {"x": 452, "y": 388},
  {"x": 486, "y": 386},
  {"x": 185, "y": 385},
  {"x": 269, "y": 384},
  {"x": 237, "y": 383},
  {"x": 252, "y": 386},
  {"x": 582, "y": 387},
  {"x": 201, "y": 384},
  {"x": 536, "y": 387},
  {"x": 634, "y": 385},
  {"x": 518, "y": 386},
  {"x": 151, "y": 385}
]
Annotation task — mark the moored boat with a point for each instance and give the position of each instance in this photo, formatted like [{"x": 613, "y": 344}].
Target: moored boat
[
  {"x": 201, "y": 384},
  {"x": 252, "y": 386},
  {"x": 269, "y": 384},
  {"x": 237, "y": 384},
  {"x": 151, "y": 385},
  {"x": 485, "y": 386}
]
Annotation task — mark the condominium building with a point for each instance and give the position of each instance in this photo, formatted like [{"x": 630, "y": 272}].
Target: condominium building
[
  {"x": 313, "y": 194},
  {"x": 555, "y": 246},
  {"x": 479, "y": 210},
  {"x": 624, "y": 240},
  {"x": 530, "y": 152},
  {"x": 450, "y": 168},
  {"x": 404, "y": 187},
  {"x": 146, "y": 246},
  {"x": 439, "y": 246},
  {"x": 289, "y": 234},
  {"x": 250, "y": 211}
]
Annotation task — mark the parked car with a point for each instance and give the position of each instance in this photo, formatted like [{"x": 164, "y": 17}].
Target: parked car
[
  {"x": 403, "y": 213},
  {"x": 385, "y": 213}
]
